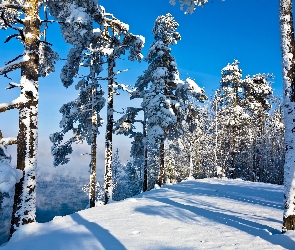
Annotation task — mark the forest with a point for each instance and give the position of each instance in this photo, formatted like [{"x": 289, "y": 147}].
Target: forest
[{"x": 177, "y": 131}]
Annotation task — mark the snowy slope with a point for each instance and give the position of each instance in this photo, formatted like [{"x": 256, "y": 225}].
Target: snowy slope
[{"x": 201, "y": 214}]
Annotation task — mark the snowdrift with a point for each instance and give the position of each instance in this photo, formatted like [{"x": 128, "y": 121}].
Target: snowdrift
[{"x": 195, "y": 214}]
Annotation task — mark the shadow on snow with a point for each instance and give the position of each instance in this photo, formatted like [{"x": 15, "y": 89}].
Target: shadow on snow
[{"x": 250, "y": 227}]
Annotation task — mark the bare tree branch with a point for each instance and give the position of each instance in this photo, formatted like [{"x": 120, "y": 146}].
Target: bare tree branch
[
  {"x": 13, "y": 60},
  {"x": 19, "y": 29},
  {"x": 9, "y": 37}
]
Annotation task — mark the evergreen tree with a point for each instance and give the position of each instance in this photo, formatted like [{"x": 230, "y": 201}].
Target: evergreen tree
[
  {"x": 117, "y": 174},
  {"x": 241, "y": 107},
  {"x": 116, "y": 47},
  {"x": 85, "y": 109},
  {"x": 158, "y": 98},
  {"x": 104, "y": 42}
]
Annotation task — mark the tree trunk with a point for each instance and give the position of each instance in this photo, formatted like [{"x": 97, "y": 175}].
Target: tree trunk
[
  {"x": 93, "y": 143},
  {"x": 24, "y": 207},
  {"x": 288, "y": 49},
  {"x": 109, "y": 132},
  {"x": 93, "y": 171},
  {"x": 145, "y": 170},
  {"x": 162, "y": 164}
]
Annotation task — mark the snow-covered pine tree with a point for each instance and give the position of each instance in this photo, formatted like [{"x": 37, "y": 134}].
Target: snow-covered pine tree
[
  {"x": 132, "y": 179},
  {"x": 109, "y": 41},
  {"x": 232, "y": 118},
  {"x": 288, "y": 54},
  {"x": 257, "y": 94},
  {"x": 274, "y": 147},
  {"x": 77, "y": 28},
  {"x": 158, "y": 97},
  {"x": 117, "y": 169},
  {"x": 189, "y": 114},
  {"x": 8, "y": 177},
  {"x": 183, "y": 135},
  {"x": 36, "y": 60},
  {"x": 241, "y": 107},
  {"x": 77, "y": 19},
  {"x": 117, "y": 46}
]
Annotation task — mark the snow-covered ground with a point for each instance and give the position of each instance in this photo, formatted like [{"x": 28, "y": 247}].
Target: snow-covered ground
[{"x": 195, "y": 214}]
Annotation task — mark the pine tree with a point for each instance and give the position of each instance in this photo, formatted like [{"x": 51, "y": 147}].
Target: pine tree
[
  {"x": 241, "y": 107},
  {"x": 117, "y": 46},
  {"x": 117, "y": 169},
  {"x": 77, "y": 28},
  {"x": 109, "y": 41},
  {"x": 163, "y": 75}
]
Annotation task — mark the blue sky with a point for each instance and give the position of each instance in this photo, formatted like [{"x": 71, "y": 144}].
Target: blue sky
[{"x": 218, "y": 33}]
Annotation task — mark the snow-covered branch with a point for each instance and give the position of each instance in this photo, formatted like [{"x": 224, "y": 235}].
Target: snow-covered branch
[
  {"x": 14, "y": 65},
  {"x": 14, "y": 6},
  {"x": 16, "y": 103},
  {"x": 124, "y": 87},
  {"x": 8, "y": 141},
  {"x": 13, "y": 85}
]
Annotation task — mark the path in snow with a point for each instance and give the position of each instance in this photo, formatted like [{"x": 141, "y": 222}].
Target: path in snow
[{"x": 201, "y": 214}]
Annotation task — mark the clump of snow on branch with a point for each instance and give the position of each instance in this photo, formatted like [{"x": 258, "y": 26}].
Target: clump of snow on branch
[
  {"x": 9, "y": 176},
  {"x": 47, "y": 59},
  {"x": 190, "y": 4}
]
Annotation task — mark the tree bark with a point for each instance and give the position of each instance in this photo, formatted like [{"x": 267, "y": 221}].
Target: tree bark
[
  {"x": 24, "y": 207},
  {"x": 145, "y": 170},
  {"x": 92, "y": 185},
  {"x": 109, "y": 132},
  {"x": 162, "y": 164},
  {"x": 288, "y": 53},
  {"x": 93, "y": 172}
]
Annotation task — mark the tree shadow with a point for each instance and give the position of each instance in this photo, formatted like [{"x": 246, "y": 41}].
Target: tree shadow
[
  {"x": 268, "y": 196},
  {"x": 265, "y": 232},
  {"x": 94, "y": 238},
  {"x": 103, "y": 236}
]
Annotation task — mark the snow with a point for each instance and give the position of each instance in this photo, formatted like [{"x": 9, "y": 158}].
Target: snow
[
  {"x": 78, "y": 15},
  {"x": 195, "y": 214},
  {"x": 8, "y": 176},
  {"x": 190, "y": 4}
]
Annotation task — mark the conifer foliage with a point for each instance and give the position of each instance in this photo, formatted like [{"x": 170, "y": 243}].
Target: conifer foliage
[
  {"x": 165, "y": 96},
  {"x": 92, "y": 47},
  {"x": 240, "y": 105}
]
